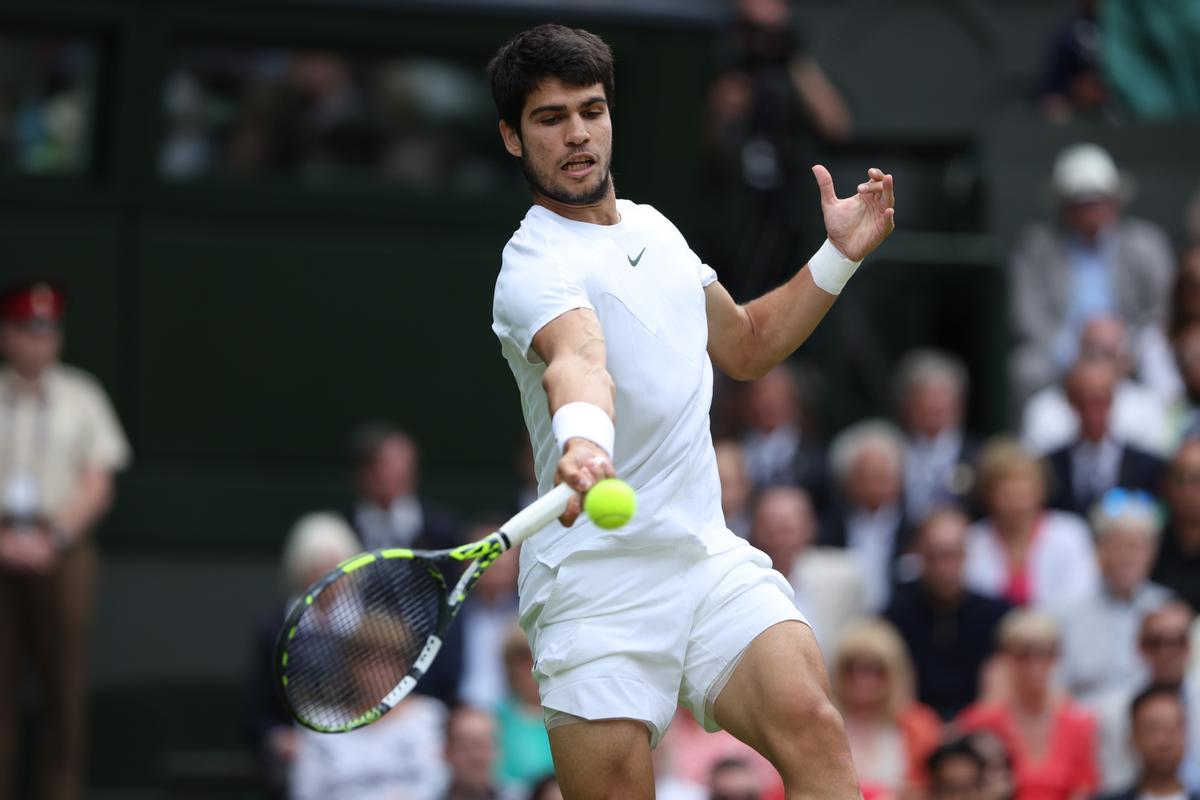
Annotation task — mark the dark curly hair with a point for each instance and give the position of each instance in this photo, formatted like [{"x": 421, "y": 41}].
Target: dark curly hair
[{"x": 573, "y": 56}]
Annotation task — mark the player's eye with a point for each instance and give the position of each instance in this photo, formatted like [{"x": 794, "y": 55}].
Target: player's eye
[{"x": 549, "y": 120}]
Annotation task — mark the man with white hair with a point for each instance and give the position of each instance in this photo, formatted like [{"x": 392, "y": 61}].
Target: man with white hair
[
  {"x": 1100, "y": 628},
  {"x": 1094, "y": 262},
  {"x": 869, "y": 519},
  {"x": 939, "y": 456}
]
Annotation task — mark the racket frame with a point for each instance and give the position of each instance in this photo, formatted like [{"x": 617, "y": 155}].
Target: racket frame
[{"x": 482, "y": 554}]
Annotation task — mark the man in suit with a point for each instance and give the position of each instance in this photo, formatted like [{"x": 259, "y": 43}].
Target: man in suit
[
  {"x": 869, "y": 519},
  {"x": 1097, "y": 461},
  {"x": 1095, "y": 261},
  {"x": 939, "y": 455},
  {"x": 1158, "y": 718},
  {"x": 387, "y": 512},
  {"x": 828, "y": 582},
  {"x": 775, "y": 446},
  {"x": 949, "y": 630}
]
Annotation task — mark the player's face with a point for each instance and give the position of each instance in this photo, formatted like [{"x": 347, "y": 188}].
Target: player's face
[{"x": 565, "y": 142}]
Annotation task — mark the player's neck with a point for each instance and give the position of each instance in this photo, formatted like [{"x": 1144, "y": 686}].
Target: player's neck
[{"x": 602, "y": 212}]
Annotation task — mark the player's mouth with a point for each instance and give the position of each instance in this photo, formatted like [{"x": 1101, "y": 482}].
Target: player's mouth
[{"x": 579, "y": 166}]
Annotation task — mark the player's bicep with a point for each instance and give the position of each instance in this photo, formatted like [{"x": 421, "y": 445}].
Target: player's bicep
[
  {"x": 729, "y": 330},
  {"x": 572, "y": 347}
]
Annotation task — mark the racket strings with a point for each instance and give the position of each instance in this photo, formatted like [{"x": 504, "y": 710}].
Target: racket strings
[{"x": 359, "y": 638}]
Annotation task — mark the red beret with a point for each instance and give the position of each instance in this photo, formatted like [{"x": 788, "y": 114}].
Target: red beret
[{"x": 35, "y": 302}]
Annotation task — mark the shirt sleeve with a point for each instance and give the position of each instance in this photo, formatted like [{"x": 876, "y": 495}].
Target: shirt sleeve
[
  {"x": 704, "y": 272},
  {"x": 533, "y": 289},
  {"x": 106, "y": 446}
]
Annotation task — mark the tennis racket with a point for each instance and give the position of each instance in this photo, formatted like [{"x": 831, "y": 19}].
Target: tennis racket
[{"x": 358, "y": 640}]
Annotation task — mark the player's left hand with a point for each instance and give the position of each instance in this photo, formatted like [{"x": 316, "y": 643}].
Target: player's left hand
[
  {"x": 582, "y": 465},
  {"x": 857, "y": 225}
]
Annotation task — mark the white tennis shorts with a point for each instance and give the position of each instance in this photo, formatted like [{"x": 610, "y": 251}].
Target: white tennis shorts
[{"x": 634, "y": 634}]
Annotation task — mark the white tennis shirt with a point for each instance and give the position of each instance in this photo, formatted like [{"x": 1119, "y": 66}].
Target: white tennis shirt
[{"x": 647, "y": 288}]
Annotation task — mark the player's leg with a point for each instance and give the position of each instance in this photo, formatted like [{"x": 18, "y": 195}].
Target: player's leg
[
  {"x": 605, "y": 759},
  {"x": 777, "y": 701}
]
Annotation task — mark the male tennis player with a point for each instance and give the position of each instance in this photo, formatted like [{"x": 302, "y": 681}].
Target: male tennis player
[{"x": 611, "y": 324}]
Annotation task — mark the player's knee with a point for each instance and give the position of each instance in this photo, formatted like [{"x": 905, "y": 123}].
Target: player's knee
[{"x": 806, "y": 720}]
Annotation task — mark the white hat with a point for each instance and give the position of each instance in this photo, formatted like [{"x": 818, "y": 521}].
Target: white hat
[{"x": 1086, "y": 171}]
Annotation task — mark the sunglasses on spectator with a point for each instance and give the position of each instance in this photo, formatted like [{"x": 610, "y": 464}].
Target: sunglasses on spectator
[
  {"x": 864, "y": 666},
  {"x": 1030, "y": 652},
  {"x": 1159, "y": 642},
  {"x": 1118, "y": 501}
]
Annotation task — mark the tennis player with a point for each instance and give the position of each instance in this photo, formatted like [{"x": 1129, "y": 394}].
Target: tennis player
[{"x": 611, "y": 325}]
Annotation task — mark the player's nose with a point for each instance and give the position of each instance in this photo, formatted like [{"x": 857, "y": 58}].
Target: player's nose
[{"x": 577, "y": 132}]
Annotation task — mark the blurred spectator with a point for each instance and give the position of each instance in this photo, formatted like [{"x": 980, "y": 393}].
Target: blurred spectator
[
  {"x": 732, "y": 779},
  {"x": 524, "y": 744},
  {"x": 1159, "y": 367},
  {"x": 487, "y": 618},
  {"x": 316, "y": 544},
  {"x": 1099, "y": 629},
  {"x": 60, "y": 446},
  {"x": 1158, "y": 721},
  {"x": 1022, "y": 551},
  {"x": 735, "y": 486},
  {"x": 1099, "y": 459},
  {"x": 687, "y": 755},
  {"x": 768, "y": 100},
  {"x": 1049, "y": 737},
  {"x": 1074, "y": 83},
  {"x": 47, "y": 102},
  {"x": 389, "y": 513},
  {"x": 1150, "y": 55},
  {"x": 998, "y": 780},
  {"x": 891, "y": 735},
  {"x": 1096, "y": 262},
  {"x": 949, "y": 630},
  {"x": 471, "y": 756},
  {"x": 869, "y": 520},
  {"x": 1049, "y": 421},
  {"x": 1178, "y": 564},
  {"x": 1164, "y": 644},
  {"x": 546, "y": 789},
  {"x": 776, "y": 449},
  {"x": 829, "y": 585},
  {"x": 1183, "y": 417},
  {"x": 939, "y": 458},
  {"x": 955, "y": 772},
  {"x": 401, "y": 755}
]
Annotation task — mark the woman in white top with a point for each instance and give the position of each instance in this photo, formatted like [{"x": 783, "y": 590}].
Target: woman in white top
[{"x": 1022, "y": 551}]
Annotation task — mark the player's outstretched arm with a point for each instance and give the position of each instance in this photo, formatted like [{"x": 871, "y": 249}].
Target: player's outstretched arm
[
  {"x": 578, "y": 385},
  {"x": 746, "y": 341}
]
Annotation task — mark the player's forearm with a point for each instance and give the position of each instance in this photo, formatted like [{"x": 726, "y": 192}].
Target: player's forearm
[
  {"x": 91, "y": 498},
  {"x": 780, "y": 321},
  {"x": 578, "y": 379}
]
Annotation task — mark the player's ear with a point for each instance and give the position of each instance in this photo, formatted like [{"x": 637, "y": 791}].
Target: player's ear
[{"x": 512, "y": 139}]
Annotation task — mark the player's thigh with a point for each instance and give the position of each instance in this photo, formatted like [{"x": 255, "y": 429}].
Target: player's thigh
[
  {"x": 606, "y": 759},
  {"x": 779, "y": 686}
]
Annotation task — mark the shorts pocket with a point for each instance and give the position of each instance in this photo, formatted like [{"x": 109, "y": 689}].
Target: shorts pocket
[{"x": 552, "y": 646}]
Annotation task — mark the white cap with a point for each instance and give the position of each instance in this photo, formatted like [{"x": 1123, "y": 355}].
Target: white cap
[{"x": 1086, "y": 171}]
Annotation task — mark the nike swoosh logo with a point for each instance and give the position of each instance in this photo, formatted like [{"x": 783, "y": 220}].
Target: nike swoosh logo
[{"x": 633, "y": 262}]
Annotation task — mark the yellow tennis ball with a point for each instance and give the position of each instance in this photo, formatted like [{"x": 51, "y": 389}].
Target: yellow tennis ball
[{"x": 610, "y": 503}]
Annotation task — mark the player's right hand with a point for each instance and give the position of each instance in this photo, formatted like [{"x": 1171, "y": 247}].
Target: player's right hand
[{"x": 582, "y": 465}]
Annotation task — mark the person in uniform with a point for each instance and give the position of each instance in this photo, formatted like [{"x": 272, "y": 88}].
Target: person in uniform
[{"x": 60, "y": 444}]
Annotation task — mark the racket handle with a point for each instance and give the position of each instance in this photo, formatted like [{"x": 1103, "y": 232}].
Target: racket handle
[{"x": 537, "y": 515}]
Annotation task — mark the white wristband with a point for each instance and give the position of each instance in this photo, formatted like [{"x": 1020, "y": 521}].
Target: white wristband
[
  {"x": 830, "y": 269},
  {"x": 584, "y": 421}
]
